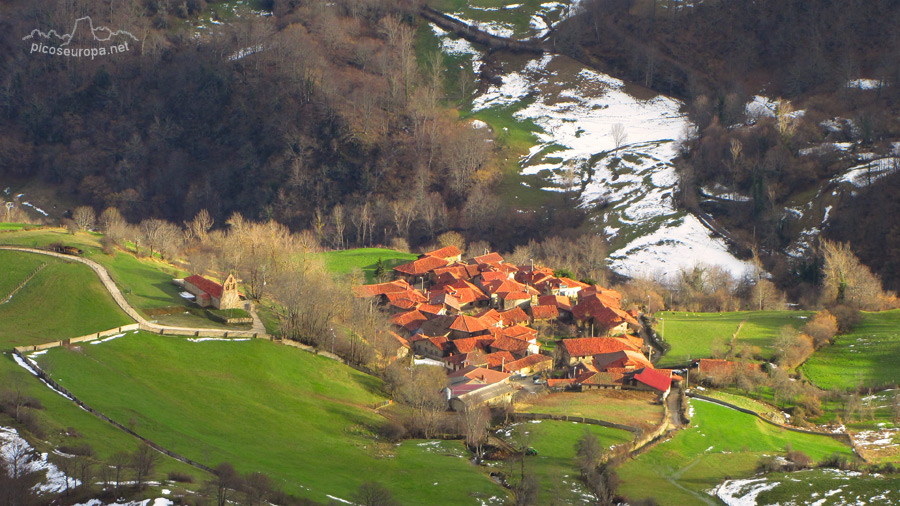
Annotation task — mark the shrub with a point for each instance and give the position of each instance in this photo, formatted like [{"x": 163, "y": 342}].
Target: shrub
[
  {"x": 180, "y": 477},
  {"x": 392, "y": 431},
  {"x": 822, "y": 328},
  {"x": 799, "y": 459},
  {"x": 84, "y": 450},
  {"x": 847, "y": 317}
]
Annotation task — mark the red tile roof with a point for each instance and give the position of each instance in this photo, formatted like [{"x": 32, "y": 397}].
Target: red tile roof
[
  {"x": 529, "y": 361},
  {"x": 434, "y": 309},
  {"x": 588, "y": 346},
  {"x": 559, "y": 382},
  {"x": 421, "y": 266},
  {"x": 476, "y": 358},
  {"x": 605, "y": 379},
  {"x": 403, "y": 342},
  {"x": 489, "y": 276},
  {"x": 399, "y": 285},
  {"x": 604, "y": 311},
  {"x": 490, "y": 317},
  {"x": 445, "y": 252},
  {"x": 499, "y": 358},
  {"x": 519, "y": 332},
  {"x": 409, "y": 320},
  {"x": 513, "y": 316},
  {"x": 654, "y": 379},
  {"x": 560, "y": 301},
  {"x": 468, "y": 324},
  {"x": 404, "y": 304},
  {"x": 490, "y": 258},
  {"x": 469, "y": 344},
  {"x": 480, "y": 374},
  {"x": 211, "y": 287},
  {"x": 510, "y": 344},
  {"x": 544, "y": 312},
  {"x": 618, "y": 359}
]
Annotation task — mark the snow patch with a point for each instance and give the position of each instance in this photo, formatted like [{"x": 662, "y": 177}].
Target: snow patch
[
  {"x": 742, "y": 492},
  {"x": 29, "y": 460},
  {"x": 203, "y": 339}
]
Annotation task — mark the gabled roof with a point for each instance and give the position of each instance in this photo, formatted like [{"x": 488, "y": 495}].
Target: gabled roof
[
  {"x": 604, "y": 312},
  {"x": 403, "y": 342},
  {"x": 431, "y": 309},
  {"x": 544, "y": 312},
  {"x": 560, "y": 301},
  {"x": 404, "y": 304},
  {"x": 399, "y": 285},
  {"x": 605, "y": 379},
  {"x": 623, "y": 358},
  {"x": 442, "y": 298},
  {"x": 588, "y": 346},
  {"x": 519, "y": 332},
  {"x": 490, "y": 258},
  {"x": 409, "y": 320},
  {"x": 499, "y": 358},
  {"x": 490, "y": 317},
  {"x": 560, "y": 382},
  {"x": 421, "y": 266},
  {"x": 441, "y": 342},
  {"x": 468, "y": 324},
  {"x": 445, "y": 252},
  {"x": 513, "y": 316},
  {"x": 514, "y": 296},
  {"x": 489, "y": 276},
  {"x": 529, "y": 361},
  {"x": 411, "y": 294},
  {"x": 479, "y": 375},
  {"x": 510, "y": 344},
  {"x": 654, "y": 379},
  {"x": 469, "y": 344},
  {"x": 207, "y": 285}
]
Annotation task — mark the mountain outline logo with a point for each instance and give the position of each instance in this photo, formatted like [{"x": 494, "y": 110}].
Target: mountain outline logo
[{"x": 57, "y": 44}]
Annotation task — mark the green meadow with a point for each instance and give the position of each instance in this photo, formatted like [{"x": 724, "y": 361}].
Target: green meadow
[
  {"x": 693, "y": 335},
  {"x": 64, "y": 299},
  {"x": 554, "y": 464},
  {"x": 721, "y": 443},
  {"x": 305, "y": 420},
  {"x": 868, "y": 356},
  {"x": 365, "y": 259}
]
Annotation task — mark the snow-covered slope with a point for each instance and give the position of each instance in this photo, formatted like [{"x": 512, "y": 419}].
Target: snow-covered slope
[{"x": 575, "y": 110}]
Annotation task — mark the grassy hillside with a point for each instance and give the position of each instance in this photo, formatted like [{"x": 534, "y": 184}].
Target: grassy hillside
[
  {"x": 554, "y": 464},
  {"x": 16, "y": 267},
  {"x": 722, "y": 443},
  {"x": 692, "y": 335},
  {"x": 62, "y": 422},
  {"x": 63, "y": 300},
  {"x": 305, "y": 420},
  {"x": 828, "y": 487},
  {"x": 867, "y": 356},
  {"x": 344, "y": 261}
]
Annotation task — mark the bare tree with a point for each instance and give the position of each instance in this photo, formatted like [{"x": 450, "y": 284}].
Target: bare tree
[
  {"x": 84, "y": 217},
  {"x": 143, "y": 462},
  {"x": 119, "y": 462},
  {"x": 619, "y": 136},
  {"x": 476, "y": 420},
  {"x": 373, "y": 494},
  {"x": 112, "y": 224},
  {"x": 200, "y": 226},
  {"x": 337, "y": 219}
]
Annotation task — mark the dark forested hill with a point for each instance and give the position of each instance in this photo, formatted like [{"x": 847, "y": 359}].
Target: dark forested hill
[{"x": 273, "y": 114}]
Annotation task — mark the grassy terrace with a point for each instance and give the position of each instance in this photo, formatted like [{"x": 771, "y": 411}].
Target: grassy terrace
[
  {"x": 305, "y": 420},
  {"x": 693, "y": 335},
  {"x": 345, "y": 261},
  {"x": 827, "y": 487},
  {"x": 720, "y": 444},
  {"x": 867, "y": 356},
  {"x": 626, "y": 407},
  {"x": 63, "y": 300}
]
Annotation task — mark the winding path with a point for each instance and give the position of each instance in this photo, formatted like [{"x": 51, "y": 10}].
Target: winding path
[{"x": 110, "y": 285}]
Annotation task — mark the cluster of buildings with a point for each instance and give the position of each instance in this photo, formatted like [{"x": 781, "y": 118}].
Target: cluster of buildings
[{"x": 475, "y": 318}]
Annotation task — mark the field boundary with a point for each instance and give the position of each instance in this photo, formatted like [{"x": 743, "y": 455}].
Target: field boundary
[
  {"x": 842, "y": 437},
  {"x": 46, "y": 379},
  {"x": 23, "y": 283}
]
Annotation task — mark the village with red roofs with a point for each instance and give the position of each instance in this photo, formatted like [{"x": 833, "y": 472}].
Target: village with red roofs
[{"x": 491, "y": 324}]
